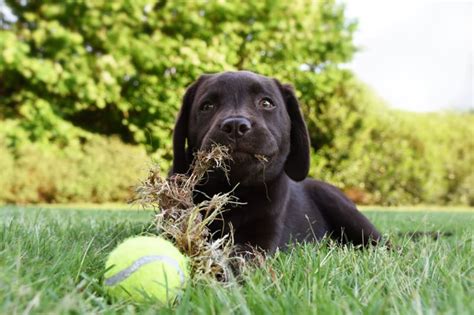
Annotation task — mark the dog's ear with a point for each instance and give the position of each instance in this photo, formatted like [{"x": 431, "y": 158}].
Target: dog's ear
[
  {"x": 183, "y": 155},
  {"x": 297, "y": 163}
]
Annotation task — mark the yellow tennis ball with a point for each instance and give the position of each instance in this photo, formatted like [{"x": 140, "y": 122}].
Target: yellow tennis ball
[{"x": 146, "y": 267}]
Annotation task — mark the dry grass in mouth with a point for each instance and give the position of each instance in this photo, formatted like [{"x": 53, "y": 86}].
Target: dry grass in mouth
[
  {"x": 185, "y": 223},
  {"x": 262, "y": 158}
]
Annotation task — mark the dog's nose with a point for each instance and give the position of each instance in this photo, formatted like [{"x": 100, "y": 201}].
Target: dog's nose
[{"x": 236, "y": 126}]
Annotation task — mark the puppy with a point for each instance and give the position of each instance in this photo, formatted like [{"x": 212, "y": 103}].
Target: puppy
[{"x": 259, "y": 119}]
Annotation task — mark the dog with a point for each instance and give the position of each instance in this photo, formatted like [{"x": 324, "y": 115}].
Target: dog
[{"x": 260, "y": 121}]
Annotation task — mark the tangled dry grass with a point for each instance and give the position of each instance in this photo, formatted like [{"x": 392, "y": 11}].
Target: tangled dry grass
[{"x": 185, "y": 223}]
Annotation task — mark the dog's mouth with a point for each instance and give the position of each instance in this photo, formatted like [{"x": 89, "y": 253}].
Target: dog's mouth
[
  {"x": 247, "y": 156},
  {"x": 249, "y": 164},
  {"x": 238, "y": 156},
  {"x": 242, "y": 155},
  {"x": 245, "y": 151}
]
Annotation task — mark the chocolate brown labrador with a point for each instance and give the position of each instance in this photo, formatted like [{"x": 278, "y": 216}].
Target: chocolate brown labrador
[{"x": 259, "y": 119}]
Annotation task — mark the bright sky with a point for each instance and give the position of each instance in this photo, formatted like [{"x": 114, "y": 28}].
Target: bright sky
[{"x": 418, "y": 54}]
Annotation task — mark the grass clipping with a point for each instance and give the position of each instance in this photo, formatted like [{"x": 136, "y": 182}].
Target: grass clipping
[{"x": 185, "y": 223}]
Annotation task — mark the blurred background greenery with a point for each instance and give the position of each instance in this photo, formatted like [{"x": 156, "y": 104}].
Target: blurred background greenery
[{"x": 89, "y": 90}]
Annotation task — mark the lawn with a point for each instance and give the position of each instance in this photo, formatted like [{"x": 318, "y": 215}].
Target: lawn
[{"x": 51, "y": 261}]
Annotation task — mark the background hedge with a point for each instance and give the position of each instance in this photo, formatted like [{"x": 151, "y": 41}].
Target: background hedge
[{"x": 87, "y": 84}]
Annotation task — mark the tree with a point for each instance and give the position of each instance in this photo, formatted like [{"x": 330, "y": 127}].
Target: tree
[{"x": 121, "y": 67}]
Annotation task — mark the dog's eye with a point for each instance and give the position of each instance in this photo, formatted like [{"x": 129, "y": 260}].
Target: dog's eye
[
  {"x": 206, "y": 107},
  {"x": 266, "y": 103}
]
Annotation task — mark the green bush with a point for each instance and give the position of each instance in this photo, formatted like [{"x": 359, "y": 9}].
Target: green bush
[
  {"x": 99, "y": 170},
  {"x": 384, "y": 156}
]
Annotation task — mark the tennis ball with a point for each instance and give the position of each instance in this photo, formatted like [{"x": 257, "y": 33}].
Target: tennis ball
[{"x": 146, "y": 267}]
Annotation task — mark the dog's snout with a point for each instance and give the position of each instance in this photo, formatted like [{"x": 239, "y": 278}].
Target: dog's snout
[{"x": 236, "y": 126}]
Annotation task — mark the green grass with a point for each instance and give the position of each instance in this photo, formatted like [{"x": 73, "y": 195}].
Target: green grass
[{"x": 51, "y": 261}]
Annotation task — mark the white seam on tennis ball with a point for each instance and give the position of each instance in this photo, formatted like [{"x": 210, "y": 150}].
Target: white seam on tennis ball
[{"x": 127, "y": 272}]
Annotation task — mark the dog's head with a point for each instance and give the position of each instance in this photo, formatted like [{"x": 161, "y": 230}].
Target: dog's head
[{"x": 254, "y": 116}]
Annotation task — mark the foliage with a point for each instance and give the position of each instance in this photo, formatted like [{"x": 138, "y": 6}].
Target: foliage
[
  {"x": 75, "y": 70},
  {"x": 383, "y": 156},
  {"x": 121, "y": 67},
  {"x": 98, "y": 170}
]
